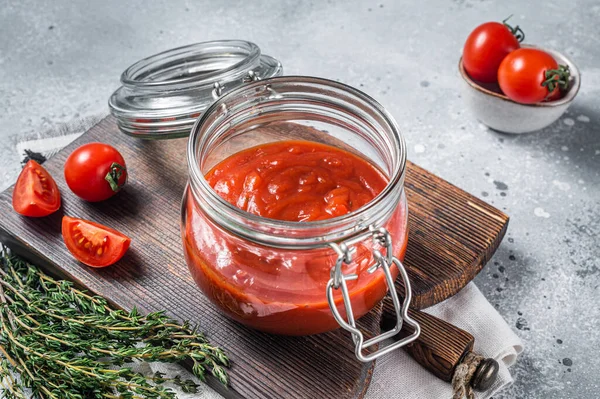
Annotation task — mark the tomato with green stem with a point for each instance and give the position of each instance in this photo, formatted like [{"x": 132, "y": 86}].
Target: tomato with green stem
[
  {"x": 486, "y": 47},
  {"x": 95, "y": 171},
  {"x": 36, "y": 193},
  {"x": 530, "y": 75},
  {"x": 92, "y": 243}
]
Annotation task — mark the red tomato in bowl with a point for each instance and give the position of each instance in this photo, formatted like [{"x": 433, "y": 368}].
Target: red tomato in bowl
[
  {"x": 92, "y": 243},
  {"x": 529, "y": 75},
  {"x": 95, "y": 171},
  {"x": 36, "y": 193},
  {"x": 485, "y": 49}
]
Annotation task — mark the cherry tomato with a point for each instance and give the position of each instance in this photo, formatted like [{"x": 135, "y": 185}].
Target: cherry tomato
[
  {"x": 35, "y": 193},
  {"x": 92, "y": 243},
  {"x": 95, "y": 171},
  {"x": 529, "y": 75},
  {"x": 485, "y": 49}
]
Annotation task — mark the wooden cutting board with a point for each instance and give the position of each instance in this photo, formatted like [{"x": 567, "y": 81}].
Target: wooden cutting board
[{"x": 451, "y": 236}]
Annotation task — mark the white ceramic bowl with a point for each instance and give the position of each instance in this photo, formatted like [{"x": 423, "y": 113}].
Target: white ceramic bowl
[{"x": 500, "y": 113}]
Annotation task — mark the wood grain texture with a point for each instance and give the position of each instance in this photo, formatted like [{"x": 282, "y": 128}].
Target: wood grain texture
[
  {"x": 452, "y": 234},
  {"x": 441, "y": 345}
]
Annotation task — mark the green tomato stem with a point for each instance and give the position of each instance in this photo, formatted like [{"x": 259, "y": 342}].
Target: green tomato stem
[
  {"x": 113, "y": 176},
  {"x": 516, "y": 31},
  {"x": 557, "y": 77}
]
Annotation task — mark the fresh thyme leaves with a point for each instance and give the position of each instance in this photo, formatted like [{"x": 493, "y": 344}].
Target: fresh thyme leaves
[{"x": 63, "y": 343}]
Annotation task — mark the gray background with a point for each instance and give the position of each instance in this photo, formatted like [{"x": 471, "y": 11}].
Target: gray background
[{"x": 60, "y": 61}]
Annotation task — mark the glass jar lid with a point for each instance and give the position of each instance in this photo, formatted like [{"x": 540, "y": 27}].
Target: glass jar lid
[{"x": 164, "y": 94}]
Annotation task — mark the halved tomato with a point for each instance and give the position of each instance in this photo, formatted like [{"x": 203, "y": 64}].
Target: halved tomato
[
  {"x": 36, "y": 193},
  {"x": 92, "y": 243}
]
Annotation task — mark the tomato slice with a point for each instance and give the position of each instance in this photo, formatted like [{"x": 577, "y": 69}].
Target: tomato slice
[
  {"x": 36, "y": 193},
  {"x": 92, "y": 243}
]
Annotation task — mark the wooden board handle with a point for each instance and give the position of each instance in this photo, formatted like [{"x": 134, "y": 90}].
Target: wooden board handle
[{"x": 441, "y": 347}]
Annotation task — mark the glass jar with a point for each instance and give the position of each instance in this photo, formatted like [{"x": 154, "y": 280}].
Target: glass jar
[{"x": 297, "y": 278}]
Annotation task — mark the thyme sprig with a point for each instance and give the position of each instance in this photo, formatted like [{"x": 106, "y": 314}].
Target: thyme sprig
[{"x": 63, "y": 343}]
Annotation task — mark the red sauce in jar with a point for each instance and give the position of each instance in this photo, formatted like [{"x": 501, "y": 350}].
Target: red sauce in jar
[
  {"x": 299, "y": 181},
  {"x": 277, "y": 290}
]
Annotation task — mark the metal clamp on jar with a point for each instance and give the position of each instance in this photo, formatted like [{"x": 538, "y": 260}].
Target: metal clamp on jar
[{"x": 338, "y": 280}]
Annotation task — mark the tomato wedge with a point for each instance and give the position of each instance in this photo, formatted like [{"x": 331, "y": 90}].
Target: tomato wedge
[
  {"x": 92, "y": 243},
  {"x": 36, "y": 193}
]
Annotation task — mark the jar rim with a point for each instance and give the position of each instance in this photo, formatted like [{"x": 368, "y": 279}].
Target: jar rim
[
  {"x": 162, "y": 95},
  {"x": 244, "y": 223},
  {"x": 248, "y": 54}
]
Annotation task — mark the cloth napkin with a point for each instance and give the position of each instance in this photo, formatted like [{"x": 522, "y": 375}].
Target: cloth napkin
[{"x": 396, "y": 375}]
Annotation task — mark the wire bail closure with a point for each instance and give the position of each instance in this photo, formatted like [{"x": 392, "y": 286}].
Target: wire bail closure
[
  {"x": 382, "y": 238},
  {"x": 217, "y": 91}
]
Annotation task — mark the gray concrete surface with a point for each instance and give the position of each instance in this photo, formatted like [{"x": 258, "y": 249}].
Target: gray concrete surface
[{"x": 60, "y": 60}]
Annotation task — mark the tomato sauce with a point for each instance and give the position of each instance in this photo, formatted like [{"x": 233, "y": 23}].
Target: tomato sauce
[
  {"x": 299, "y": 181},
  {"x": 277, "y": 290}
]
